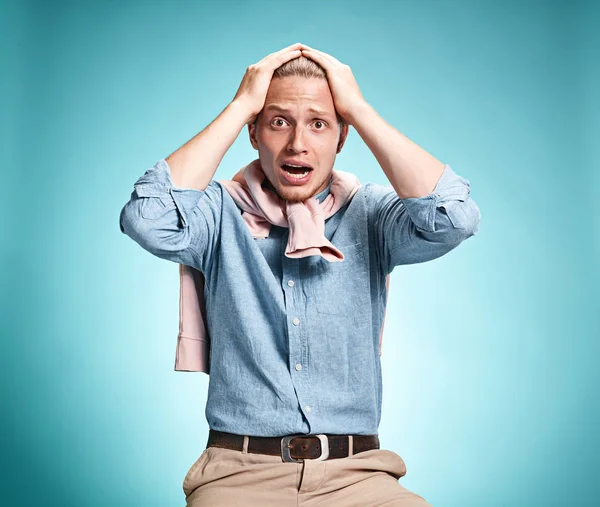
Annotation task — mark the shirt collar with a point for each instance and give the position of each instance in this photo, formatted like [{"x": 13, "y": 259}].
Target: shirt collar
[{"x": 323, "y": 193}]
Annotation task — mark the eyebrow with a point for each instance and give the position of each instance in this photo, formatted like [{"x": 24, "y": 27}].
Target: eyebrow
[{"x": 279, "y": 107}]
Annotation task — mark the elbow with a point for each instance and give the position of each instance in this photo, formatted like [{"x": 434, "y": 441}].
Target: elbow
[
  {"x": 128, "y": 217},
  {"x": 134, "y": 225},
  {"x": 161, "y": 237},
  {"x": 460, "y": 218}
]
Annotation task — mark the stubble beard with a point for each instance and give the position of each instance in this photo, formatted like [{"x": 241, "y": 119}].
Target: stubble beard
[{"x": 297, "y": 196}]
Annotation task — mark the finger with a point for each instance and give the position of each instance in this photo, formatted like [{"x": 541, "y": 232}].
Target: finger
[
  {"x": 297, "y": 45},
  {"x": 293, "y": 47},
  {"x": 317, "y": 58},
  {"x": 324, "y": 55},
  {"x": 280, "y": 59},
  {"x": 277, "y": 59}
]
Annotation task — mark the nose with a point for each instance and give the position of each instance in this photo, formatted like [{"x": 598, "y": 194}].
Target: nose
[{"x": 297, "y": 142}]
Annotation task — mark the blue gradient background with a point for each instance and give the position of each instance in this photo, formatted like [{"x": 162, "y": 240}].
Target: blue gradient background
[{"x": 490, "y": 353}]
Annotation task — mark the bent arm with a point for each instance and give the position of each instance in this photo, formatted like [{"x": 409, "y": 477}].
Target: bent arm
[
  {"x": 418, "y": 229},
  {"x": 175, "y": 206},
  {"x": 176, "y": 224},
  {"x": 194, "y": 164}
]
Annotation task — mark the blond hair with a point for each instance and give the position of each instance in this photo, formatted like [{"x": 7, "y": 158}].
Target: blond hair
[{"x": 302, "y": 67}]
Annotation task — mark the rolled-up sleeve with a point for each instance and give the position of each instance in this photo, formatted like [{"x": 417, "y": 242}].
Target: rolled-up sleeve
[
  {"x": 166, "y": 221},
  {"x": 419, "y": 229}
]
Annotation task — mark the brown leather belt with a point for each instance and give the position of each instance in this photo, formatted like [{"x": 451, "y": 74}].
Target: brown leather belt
[{"x": 296, "y": 448}]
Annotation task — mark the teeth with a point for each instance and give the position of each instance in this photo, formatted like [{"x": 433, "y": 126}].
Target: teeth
[{"x": 297, "y": 176}]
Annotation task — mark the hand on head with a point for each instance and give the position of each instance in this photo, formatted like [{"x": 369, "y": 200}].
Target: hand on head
[{"x": 253, "y": 89}]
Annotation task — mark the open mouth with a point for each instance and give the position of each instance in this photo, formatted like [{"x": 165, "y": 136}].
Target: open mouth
[
  {"x": 296, "y": 171},
  {"x": 296, "y": 174}
]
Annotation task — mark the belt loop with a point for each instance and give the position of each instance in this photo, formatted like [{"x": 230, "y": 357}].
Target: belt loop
[
  {"x": 350, "y": 445},
  {"x": 245, "y": 447}
]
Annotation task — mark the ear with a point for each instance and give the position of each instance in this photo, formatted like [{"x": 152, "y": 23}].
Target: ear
[
  {"x": 252, "y": 134},
  {"x": 343, "y": 135}
]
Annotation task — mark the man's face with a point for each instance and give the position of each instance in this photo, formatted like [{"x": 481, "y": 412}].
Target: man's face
[{"x": 298, "y": 125}]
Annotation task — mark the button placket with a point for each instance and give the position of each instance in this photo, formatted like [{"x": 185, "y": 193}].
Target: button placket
[{"x": 297, "y": 340}]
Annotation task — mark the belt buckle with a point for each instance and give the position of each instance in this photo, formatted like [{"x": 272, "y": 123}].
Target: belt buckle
[{"x": 286, "y": 451}]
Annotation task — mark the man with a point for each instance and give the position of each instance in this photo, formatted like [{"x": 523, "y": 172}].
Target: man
[{"x": 295, "y": 313}]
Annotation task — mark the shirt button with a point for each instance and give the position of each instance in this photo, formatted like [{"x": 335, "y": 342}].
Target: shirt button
[
  {"x": 291, "y": 283},
  {"x": 296, "y": 321},
  {"x": 307, "y": 408},
  {"x": 298, "y": 367}
]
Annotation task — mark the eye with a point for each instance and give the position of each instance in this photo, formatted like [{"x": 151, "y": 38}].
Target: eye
[
  {"x": 278, "y": 120},
  {"x": 319, "y": 122}
]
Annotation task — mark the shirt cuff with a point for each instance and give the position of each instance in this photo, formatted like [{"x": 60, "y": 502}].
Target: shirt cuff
[
  {"x": 157, "y": 182},
  {"x": 450, "y": 187}
]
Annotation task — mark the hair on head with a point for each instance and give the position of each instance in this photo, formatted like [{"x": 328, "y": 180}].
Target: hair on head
[{"x": 302, "y": 67}]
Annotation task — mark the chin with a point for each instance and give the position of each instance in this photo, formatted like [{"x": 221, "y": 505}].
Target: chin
[
  {"x": 298, "y": 194},
  {"x": 294, "y": 196},
  {"x": 298, "y": 199}
]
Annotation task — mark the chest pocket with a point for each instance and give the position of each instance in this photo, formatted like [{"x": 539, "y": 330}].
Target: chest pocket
[{"x": 341, "y": 288}]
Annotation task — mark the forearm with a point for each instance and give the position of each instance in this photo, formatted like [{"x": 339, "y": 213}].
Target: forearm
[
  {"x": 194, "y": 164},
  {"x": 412, "y": 171}
]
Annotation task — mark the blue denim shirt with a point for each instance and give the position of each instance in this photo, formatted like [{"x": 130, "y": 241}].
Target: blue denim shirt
[{"x": 295, "y": 342}]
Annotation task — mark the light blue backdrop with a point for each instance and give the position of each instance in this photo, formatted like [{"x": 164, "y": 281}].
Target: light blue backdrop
[{"x": 490, "y": 353}]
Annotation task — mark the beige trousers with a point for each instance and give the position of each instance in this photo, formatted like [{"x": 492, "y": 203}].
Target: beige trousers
[{"x": 228, "y": 478}]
